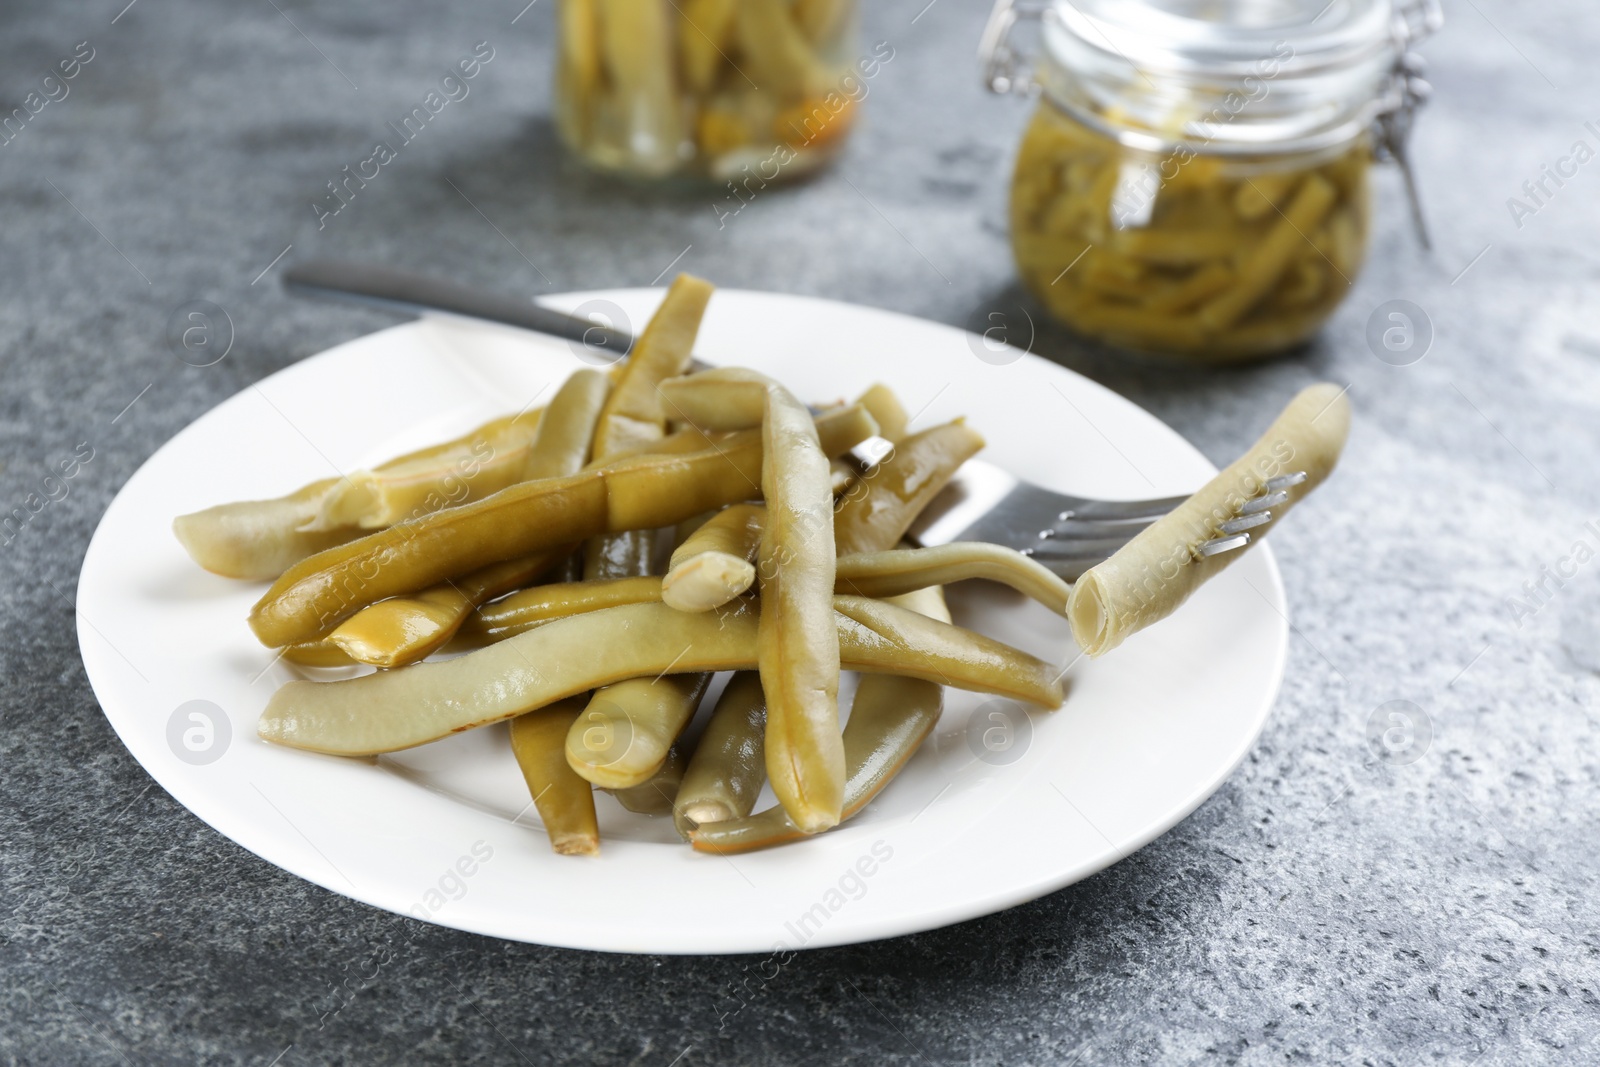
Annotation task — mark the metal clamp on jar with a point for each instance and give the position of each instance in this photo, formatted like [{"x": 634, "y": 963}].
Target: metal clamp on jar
[
  {"x": 1194, "y": 181},
  {"x": 709, "y": 88}
]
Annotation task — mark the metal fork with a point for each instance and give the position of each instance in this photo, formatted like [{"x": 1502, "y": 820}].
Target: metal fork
[{"x": 1067, "y": 534}]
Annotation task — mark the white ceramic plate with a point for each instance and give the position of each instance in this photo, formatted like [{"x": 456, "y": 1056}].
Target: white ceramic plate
[{"x": 446, "y": 833}]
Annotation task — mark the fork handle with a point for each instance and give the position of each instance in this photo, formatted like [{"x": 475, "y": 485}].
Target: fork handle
[
  {"x": 418, "y": 294},
  {"x": 401, "y": 290}
]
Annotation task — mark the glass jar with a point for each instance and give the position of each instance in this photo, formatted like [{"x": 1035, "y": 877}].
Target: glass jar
[
  {"x": 716, "y": 89},
  {"x": 1194, "y": 180}
]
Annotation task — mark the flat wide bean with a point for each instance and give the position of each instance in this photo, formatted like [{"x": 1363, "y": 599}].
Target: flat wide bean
[
  {"x": 633, "y": 415},
  {"x": 260, "y": 539},
  {"x": 887, "y": 410},
  {"x": 469, "y": 468},
  {"x": 393, "y": 710},
  {"x": 723, "y": 398},
  {"x": 567, "y": 431}
]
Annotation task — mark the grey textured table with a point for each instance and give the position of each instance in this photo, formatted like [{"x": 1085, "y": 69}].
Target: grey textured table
[{"x": 1322, "y": 907}]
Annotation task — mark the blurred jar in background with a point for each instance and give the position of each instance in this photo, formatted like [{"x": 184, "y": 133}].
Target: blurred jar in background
[
  {"x": 1194, "y": 182},
  {"x": 707, "y": 88}
]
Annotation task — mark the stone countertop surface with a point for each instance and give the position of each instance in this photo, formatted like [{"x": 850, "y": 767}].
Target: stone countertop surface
[{"x": 1322, "y": 907}]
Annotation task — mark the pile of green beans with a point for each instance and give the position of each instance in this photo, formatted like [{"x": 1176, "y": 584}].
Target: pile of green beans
[{"x": 551, "y": 596}]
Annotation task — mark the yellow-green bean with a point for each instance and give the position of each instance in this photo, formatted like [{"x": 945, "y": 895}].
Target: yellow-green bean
[
  {"x": 721, "y": 399},
  {"x": 799, "y": 655},
  {"x": 727, "y": 769},
  {"x": 775, "y": 53},
  {"x": 886, "y": 408},
  {"x": 260, "y": 539},
  {"x": 564, "y": 800},
  {"x": 798, "y": 646},
  {"x": 404, "y": 629},
  {"x": 469, "y": 468},
  {"x": 715, "y": 563},
  {"x": 1148, "y": 578},
  {"x": 897, "y": 571},
  {"x": 889, "y": 719},
  {"x": 654, "y": 795},
  {"x": 522, "y": 611},
  {"x": 392, "y": 710},
  {"x": 883, "y": 575},
  {"x": 876, "y": 512},
  {"x": 567, "y": 430},
  {"x": 621, "y": 741},
  {"x": 633, "y": 415},
  {"x": 639, "y": 492}
]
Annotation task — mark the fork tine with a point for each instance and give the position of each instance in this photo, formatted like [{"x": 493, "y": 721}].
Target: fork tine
[
  {"x": 1074, "y": 545},
  {"x": 1262, "y": 503},
  {"x": 1069, "y": 535},
  {"x": 1218, "y": 545},
  {"x": 1284, "y": 481},
  {"x": 1122, "y": 510},
  {"x": 1246, "y": 522},
  {"x": 1072, "y": 529}
]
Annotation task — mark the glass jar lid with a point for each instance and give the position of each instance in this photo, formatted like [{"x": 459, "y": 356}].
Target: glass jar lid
[{"x": 1221, "y": 76}]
